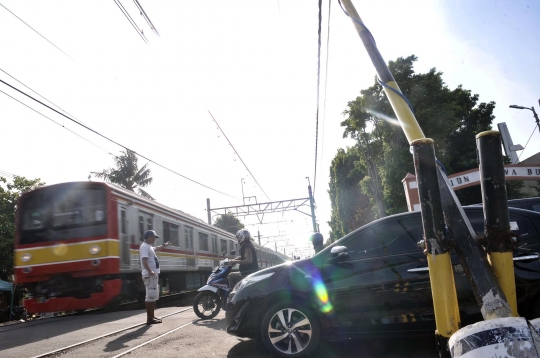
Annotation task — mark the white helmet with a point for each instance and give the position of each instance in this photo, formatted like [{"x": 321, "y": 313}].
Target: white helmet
[{"x": 242, "y": 235}]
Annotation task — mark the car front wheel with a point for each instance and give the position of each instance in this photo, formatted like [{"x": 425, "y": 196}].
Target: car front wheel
[{"x": 290, "y": 330}]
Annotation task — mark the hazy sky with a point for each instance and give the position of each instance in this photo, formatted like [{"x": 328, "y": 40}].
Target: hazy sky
[{"x": 253, "y": 64}]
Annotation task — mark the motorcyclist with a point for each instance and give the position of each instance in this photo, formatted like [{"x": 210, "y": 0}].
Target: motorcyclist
[
  {"x": 317, "y": 241},
  {"x": 247, "y": 259}
]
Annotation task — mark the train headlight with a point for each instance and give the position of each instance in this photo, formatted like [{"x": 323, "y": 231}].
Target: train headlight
[
  {"x": 26, "y": 257},
  {"x": 94, "y": 250}
]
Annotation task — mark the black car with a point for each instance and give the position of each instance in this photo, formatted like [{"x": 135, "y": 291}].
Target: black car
[
  {"x": 381, "y": 288},
  {"x": 526, "y": 203}
]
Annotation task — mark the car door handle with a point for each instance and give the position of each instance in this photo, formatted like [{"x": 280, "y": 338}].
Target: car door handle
[{"x": 419, "y": 269}]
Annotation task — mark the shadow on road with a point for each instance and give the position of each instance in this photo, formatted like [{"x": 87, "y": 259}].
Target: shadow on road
[
  {"x": 120, "y": 342},
  {"x": 217, "y": 324},
  {"x": 388, "y": 348}
]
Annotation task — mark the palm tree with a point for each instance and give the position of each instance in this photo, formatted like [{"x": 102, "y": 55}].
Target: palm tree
[{"x": 127, "y": 174}]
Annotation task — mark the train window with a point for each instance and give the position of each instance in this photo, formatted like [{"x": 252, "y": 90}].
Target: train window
[
  {"x": 170, "y": 233},
  {"x": 123, "y": 221},
  {"x": 203, "y": 241},
  {"x": 149, "y": 224},
  {"x": 141, "y": 226},
  {"x": 224, "y": 246},
  {"x": 189, "y": 237},
  {"x": 214, "y": 243}
]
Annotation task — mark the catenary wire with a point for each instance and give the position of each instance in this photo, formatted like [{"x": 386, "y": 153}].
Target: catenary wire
[
  {"x": 37, "y": 32},
  {"x": 235, "y": 152},
  {"x": 110, "y": 140},
  {"x": 131, "y": 21},
  {"x": 6, "y": 174},
  {"x": 148, "y": 21}
]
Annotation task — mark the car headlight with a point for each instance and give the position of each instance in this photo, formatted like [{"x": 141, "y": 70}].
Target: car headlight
[
  {"x": 251, "y": 280},
  {"x": 94, "y": 249},
  {"x": 26, "y": 257}
]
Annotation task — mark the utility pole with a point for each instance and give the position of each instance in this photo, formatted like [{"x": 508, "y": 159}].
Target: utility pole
[
  {"x": 259, "y": 235},
  {"x": 312, "y": 205},
  {"x": 208, "y": 211}
]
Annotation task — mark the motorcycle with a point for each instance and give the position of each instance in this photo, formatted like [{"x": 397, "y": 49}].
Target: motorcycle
[{"x": 213, "y": 296}]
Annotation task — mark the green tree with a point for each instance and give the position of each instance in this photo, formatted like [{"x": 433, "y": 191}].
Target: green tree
[
  {"x": 229, "y": 222},
  {"x": 451, "y": 118},
  {"x": 351, "y": 207},
  {"x": 9, "y": 194},
  {"x": 127, "y": 173}
]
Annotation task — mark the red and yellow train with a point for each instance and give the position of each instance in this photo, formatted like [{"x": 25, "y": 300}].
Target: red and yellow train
[{"x": 77, "y": 246}]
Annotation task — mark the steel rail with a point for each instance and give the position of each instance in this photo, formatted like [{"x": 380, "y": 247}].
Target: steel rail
[
  {"x": 56, "y": 351},
  {"x": 155, "y": 338}
]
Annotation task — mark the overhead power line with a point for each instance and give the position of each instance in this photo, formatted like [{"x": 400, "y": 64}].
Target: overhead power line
[
  {"x": 318, "y": 86},
  {"x": 110, "y": 140},
  {"x": 66, "y": 112},
  {"x": 55, "y": 122},
  {"x": 143, "y": 14},
  {"x": 131, "y": 21},
  {"x": 325, "y": 85},
  {"x": 235, "y": 152},
  {"x": 534, "y": 130},
  {"x": 36, "y": 31}
]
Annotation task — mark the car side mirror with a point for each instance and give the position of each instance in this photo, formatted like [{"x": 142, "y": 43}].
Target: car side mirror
[
  {"x": 339, "y": 253},
  {"x": 233, "y": 252},
  {"x": 336, "y": 250}
]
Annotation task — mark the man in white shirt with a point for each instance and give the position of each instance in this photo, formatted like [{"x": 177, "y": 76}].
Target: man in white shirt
[{"x": 150, "y": 273}]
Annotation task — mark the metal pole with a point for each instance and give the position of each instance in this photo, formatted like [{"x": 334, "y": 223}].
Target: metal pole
[
  {"x": 496, "y": 217},
  {"x": 536, "y": 116},
  {"x": 436, "y": 245},
  {"x": 208, "y": 211},
  {"x": 259, "y": 235},
  {"x": 486, "y": 288},
  {"x": 399, "y": 104},
  {"x": 311, "y": 203},
  {"x": 484, "y": 284},
  {"x": 243, "y": 196}
]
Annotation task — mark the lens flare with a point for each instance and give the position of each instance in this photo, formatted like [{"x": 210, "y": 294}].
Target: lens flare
[
  {"x": 383, "y": 116},
  {"x": 321, "y": 293}
]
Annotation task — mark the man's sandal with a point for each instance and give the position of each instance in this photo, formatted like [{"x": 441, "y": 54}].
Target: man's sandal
[{"x": 154, "y": 321}]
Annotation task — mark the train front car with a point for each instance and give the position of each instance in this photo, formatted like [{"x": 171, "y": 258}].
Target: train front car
[{"x": 66, "y": 249}]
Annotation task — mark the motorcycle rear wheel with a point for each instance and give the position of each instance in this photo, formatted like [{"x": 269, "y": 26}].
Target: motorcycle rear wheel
[{"x": 207, "y": 305}]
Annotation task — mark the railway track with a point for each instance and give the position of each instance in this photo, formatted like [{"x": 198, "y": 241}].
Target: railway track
[
  {"x": 71, "y": 347},
  {"x": 177, "y": 299}
]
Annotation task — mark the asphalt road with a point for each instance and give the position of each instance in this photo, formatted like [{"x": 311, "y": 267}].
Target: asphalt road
[{"x": 191, "y": 338}]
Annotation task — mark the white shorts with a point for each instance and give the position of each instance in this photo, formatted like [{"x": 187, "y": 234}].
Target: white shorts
[{"x": 152, "y": 288}]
